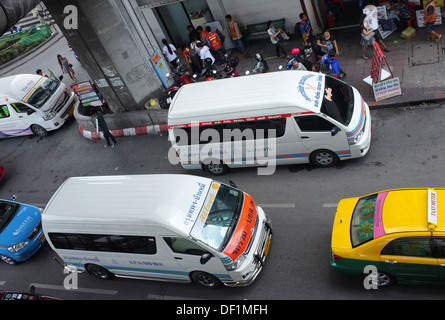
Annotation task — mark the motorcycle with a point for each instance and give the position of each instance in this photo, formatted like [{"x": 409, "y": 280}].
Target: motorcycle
[
  {"x": 209, "y": 72},
  {"x": 229, "y": 66},
  {"x": 181, "y": 76}
]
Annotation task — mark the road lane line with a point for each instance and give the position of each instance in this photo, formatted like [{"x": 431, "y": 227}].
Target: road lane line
[
  {"x": 87, "y": 290},
  {"x": 330, "y": 205},
  {"x": 277, "y": 205}
]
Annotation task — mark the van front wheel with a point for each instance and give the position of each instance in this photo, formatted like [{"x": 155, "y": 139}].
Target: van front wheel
[
  {"x": 205, "y": 279},
  {"x": 99, "y": 272},
  {"x": 323, "y": 158},
  {"x": 217, "y": 168},
  {"x": 38, "y": 130}
]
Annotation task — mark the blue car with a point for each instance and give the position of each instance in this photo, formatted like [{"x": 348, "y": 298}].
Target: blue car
[{"x": 21, "y": 233}]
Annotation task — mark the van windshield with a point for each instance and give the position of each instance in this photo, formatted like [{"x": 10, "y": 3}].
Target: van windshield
[
  {"x": 7, "y": 213},
  {"x": 222, "y": 218},
  {"x": 338, "y": 101},
  {"x": 43, "y": 93}
]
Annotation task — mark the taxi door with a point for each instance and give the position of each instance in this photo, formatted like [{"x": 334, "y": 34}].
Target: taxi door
[
  {"x": 440, "y": 245},
  {"x": 317, "y": 132},
  {"x": 12, "y": 123},
  {"x": 411, "y": 259}
]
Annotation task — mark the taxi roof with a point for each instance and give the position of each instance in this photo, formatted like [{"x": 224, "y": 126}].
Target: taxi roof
[
  {"x": 406, "y": 210},
  {"x": 216, "y": 99}
]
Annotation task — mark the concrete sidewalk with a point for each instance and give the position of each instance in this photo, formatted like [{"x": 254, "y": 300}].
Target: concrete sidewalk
[{"x": 417, "y": 62}]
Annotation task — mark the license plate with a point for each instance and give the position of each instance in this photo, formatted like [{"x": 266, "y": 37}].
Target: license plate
[
  {"x": 266, "y": 247},
  {"x": 42, "y": 238}
]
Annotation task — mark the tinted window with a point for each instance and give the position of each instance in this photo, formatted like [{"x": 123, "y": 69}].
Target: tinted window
[
  {"x": 313, "y": 124},
  {"x": 409, "y": 247},
  {"x": 4, "y": 112},
  {"x": 20, "y": 107},
  {"x": 440, "y": 243},
  {"x": 184, "y": 246},
  {"x": 105, "y": 243}
]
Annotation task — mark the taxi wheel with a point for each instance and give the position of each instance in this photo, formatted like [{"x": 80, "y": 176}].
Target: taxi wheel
[
  {"x": 8, "y": 260},
  {"x": 205, "y": 279},
  {"x": 323, "y": 158},
  {"x": 38, "y": 130},
  {"x": 385, "y": 279},
  {"x": 99, "y": 272}
]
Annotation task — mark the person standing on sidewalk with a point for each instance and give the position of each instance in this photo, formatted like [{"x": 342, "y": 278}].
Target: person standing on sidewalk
[
  {"x": 274, "y": 38},
  {"x": 235, "y": 34},
  {"x": 101, "y": 125},
  {"x": 429, "y": 18}
]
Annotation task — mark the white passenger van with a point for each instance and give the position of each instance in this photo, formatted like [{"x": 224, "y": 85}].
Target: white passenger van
[
  {"x": 158, "y": 227},
  {"x": 283, "y": 117},
  {"x": 32, "y": 104}
]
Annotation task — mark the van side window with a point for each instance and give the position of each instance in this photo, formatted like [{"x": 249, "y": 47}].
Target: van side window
[
  {"x": 20, "y": 107},
  {"x": 104, "y": 243},
  {"x": 313, "y": 124},
  {"x": 4, "y": 112},
  {"x": 185, "y": 246},
  {"x": 237, "y": 131}
]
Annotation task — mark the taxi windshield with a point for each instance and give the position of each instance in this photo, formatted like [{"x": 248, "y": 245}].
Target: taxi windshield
[
  {"x": 338, "y": 101},
  {"x": 362, "y": 222},
  {"x": 222, "y": 218},
  {"x": 7, "y": 213},
  {"x": 43, "y": 93}
]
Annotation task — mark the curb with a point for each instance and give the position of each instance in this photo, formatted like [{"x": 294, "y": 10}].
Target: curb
[{"x": 128, "y": 132}]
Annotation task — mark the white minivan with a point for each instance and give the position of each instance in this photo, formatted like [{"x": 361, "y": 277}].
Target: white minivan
[
  {"x": 276, "y": 118},
  {"x": 32, "y": 104},
  {"x": 158, "y": 227}
]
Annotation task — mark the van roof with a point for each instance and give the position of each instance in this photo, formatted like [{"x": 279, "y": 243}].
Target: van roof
[
  {"x": 223, "y": 99},
  {"x": 18, "y": 86},
  {"x": 132, "y": 200}
]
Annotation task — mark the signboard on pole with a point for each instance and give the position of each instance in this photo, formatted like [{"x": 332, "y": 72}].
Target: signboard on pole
[
  {"x": 376, "y": 67},
  {"x": 387, "y": 89},
  {"x": 86, "y": 93}
]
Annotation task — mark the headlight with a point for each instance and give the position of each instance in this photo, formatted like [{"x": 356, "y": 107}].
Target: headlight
[
  {"x": 50, "y": 116},
  {"x": 355, "y": 139},
  {"x": 18, "y": 246},
  {"x": 235, "y": 264}
]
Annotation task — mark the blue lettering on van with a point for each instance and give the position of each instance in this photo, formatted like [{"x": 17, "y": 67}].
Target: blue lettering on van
[
  {"x": 196, "y": 197},
  {"x": 303, "y": 88},
  {"x": 146, "y": 263}
]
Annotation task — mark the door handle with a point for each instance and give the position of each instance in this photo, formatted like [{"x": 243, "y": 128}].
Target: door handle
[
  {"x": 178, "y": 258},
  {"x": 390, "y": 261},
  {"x": 442, "y": 265},
  {"x": 304, "y": 137}
]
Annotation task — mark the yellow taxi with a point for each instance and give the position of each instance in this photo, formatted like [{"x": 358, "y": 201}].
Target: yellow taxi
[{"x": 399, "y": 235}]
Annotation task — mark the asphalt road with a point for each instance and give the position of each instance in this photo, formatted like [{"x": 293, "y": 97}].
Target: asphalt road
[{"x": 407, "y": 151}]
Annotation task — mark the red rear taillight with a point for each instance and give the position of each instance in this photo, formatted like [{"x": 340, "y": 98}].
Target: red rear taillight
[{"x": 335, "y": 257}]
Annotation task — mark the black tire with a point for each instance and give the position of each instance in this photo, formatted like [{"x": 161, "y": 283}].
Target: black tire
[
  {"x": 205, "y": 279},
  {"x": 99, "y": 272},
  {"x": 217, "y": 168},
  {"x": 39, "y": 131},
  {"x": 323, "y": 158},
  {"x": 8, "y": 260},
  {"x": 385, "y": 279}
]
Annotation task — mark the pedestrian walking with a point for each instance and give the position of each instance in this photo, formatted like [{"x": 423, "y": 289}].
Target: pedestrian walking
[
  {"x": 371, "y": 22},
  {"x": 101, "y": 125},
  {"x": 216, "y": 45},
  {"x": 429, "y": 18},
  {"x": 366, "y": 37},
  {"x": 235, "y": 34},
  {"x": 169, "y": 52},
  {"x": 275, "y": 39},
  {"x": 66, "y": 67}
]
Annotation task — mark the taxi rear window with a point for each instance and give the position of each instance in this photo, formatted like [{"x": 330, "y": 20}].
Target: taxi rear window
[{"x": 362, "y": 222}]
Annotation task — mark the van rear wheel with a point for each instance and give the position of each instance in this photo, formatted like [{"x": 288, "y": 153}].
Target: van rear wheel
[
  {"x": 324, "y": 158},
  {"x": 217, "y": 168},
  {"x": 205, "y": 279},
  {"x": 99, "y": 272},
  {"x": 38, "y": 130}
]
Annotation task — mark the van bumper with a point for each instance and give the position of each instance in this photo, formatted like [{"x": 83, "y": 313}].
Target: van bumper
[{"x": 251, "y": 272}]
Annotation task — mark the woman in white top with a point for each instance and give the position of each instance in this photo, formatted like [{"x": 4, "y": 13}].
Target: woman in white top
[{"x": 169, "y": 53}]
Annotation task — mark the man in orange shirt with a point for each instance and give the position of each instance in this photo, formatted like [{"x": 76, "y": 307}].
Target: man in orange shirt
[
  {"x": 429, "y": 18},
  {"x": 216, "y": 45},
  {"x": 235, "y": 34}
]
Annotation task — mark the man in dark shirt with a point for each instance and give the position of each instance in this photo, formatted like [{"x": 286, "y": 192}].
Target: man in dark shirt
[{"x": 101, "y": 125}]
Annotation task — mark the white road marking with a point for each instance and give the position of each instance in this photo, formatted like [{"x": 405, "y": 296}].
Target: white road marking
[
  {"x": 87, "y": 290},
  {"x": 277, "y": 205},
  {"x": 330, "y": 205}
]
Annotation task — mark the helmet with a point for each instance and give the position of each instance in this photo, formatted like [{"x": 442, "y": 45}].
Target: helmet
[
  {"x": 258, "y": 57},
  {"x": 295, "y": 51}
]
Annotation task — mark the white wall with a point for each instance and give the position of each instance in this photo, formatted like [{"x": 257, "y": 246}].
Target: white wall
[{"x": 254, "y": 11}]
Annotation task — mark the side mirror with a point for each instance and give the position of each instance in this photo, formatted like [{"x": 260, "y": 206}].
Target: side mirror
[
  {"x": 335, "y": 130},
  {"x": 205, "y": 257},
  {"x": 13, "y": 197}
]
